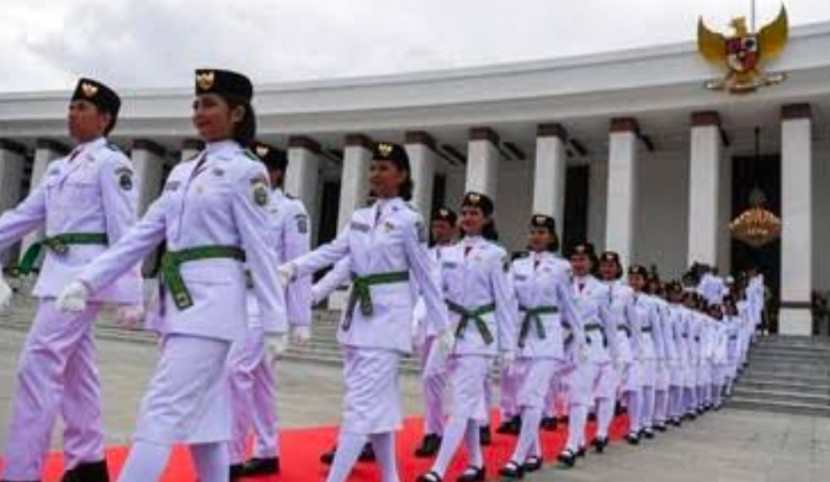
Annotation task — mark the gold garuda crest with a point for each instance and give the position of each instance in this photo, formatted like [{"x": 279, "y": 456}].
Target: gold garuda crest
[{"x": 744, "y": 53}]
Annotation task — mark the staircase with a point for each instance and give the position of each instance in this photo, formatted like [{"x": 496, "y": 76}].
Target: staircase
[{"x": 786, "y": 374}]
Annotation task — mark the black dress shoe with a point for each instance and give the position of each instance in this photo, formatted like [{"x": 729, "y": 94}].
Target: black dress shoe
[
  {"x": 328, "y": 457},
  {"x": 660, "y": 427},
  {"x": 472, "y": 474},
  {"x": 505, "y": 427},
  {"x": 567, "y": 458},
  {"x": 512, "y": 470},
  {"x": 511, "y": 427},
  {"x": 429, "y": 446},
  {"x": 261, "y": 466},
  {"x": 600, "y": 443},
  {"x": 429, "y": 477},
  {"x": 235, "y": 471},
  {"x": 548, "y": 424},
  {"x": 88, "y": 472},
  {"x": 366, "y": 455},
  {"x": 648, "y": 433},
  {"x": 592, "y": 417},
  {"x": 484, "y": 437},
  {"x": 532, "y": 464},
  {"x": 619, "y": 409},
  {"x": 633, "y": 438}
]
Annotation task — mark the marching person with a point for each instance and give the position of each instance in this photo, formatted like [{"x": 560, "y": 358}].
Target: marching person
[
  {"x": 541, "y": 282},
  {"x": 213, "y": 215},
  {"x": 86, "y": 201},
  {"x": 386, "y": 246},
  {"x": 645, "y": 313},
  {"x": 626, "y": 355},
  {"x": 482, "y": 307},
  {"x": 677, "y": 367},
  {"x": 252, "y": 378},
  {"x": 666, "y": 353},
  {"x": 443, "y": 228}
]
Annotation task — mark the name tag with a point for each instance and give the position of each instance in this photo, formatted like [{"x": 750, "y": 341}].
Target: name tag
[
  {"x": 449, "y": 265},
  {"x": 172, "y": 185},
  {"x": 360, "y": 227},
  {"x": 520, "y": 277}
]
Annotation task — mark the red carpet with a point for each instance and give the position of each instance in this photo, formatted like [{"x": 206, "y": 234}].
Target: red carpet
[{"x": 301, "y": 450}]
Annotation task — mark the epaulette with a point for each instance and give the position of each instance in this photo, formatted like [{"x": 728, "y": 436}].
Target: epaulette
[
  {"x": 113, "y": 147},
  {"x": 193, "y": 157},
  {"x": 250, "y": 155},
  {"x": 520, "y": 255}
]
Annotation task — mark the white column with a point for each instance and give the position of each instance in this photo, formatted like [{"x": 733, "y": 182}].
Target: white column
[
  {"x": 622, "y": 188},
  {"x": 148, "y": 167},
  {"x": 354, "y": 183},
  {"x": 550, "y": 173},
  {"x": 46, "y": 151},
  {"x": 483, "y": 161},
  {"x": 795, "y": 317},
  {"x": 704, "y": 188},
  {"x": 12, "y": 167},
  {"x": 420, "y": 146},
  {"x": 303, "y": 175},
  {"x": 190, "y": 149}
]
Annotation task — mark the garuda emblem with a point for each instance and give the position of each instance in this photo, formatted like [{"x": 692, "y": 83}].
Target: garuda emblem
[{"x": 744, "y": 53}]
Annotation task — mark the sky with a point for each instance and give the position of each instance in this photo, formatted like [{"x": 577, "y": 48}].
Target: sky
[{"x": 47, "y": 44}]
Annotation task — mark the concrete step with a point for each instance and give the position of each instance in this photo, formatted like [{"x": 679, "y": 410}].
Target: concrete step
[
  {"x": 764, "y": 405},
  {"x": 755, "y": 373},
  {"x": 794, "y": 367},
  {"x": 786, "y": 386},
  {"x": 786, "y": 396}
]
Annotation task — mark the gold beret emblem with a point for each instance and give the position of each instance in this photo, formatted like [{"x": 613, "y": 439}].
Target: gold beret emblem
[
  {"x": 88, "y": 89},
  {"x": 443, "y": 213},
  {"x": 540, "y": 219},
  {"x": 385, "y": 149},
  {"x": 474, "y": 198},
  {"x": 205, "y": 80},
  {"x": 262, "y": 151}
]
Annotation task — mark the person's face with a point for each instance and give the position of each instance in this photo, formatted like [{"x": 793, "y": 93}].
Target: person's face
[
  {"x": 386, "y": 178},
  {"x": 276, "y": 176},
  {"x": 214, "y": 119},
  {"x": 473, "y": 220},
  {"x": 580, "y": 264},
  {"x": 636, "y": 281},
  {"x": 689, "y": 301},
  {"x": 85, "y": 121},
  {"x": 538, "y": 239},
  {"x": 442, "y": 231},
  {"x": 608, "y": 270}
]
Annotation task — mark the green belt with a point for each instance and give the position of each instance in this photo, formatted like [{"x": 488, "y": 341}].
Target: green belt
[
  {"x": 362, "y": 292},
  {"x": 172, "y": 261},
  {"x": 646, "y": 329},
  {"x": 595, "y": 327},
  {"x": 475, "y": 315},
  {"x": 59, "y": 244},
  {"x": 626, "y": 329},
  {"x": 569, "y": 338},
  {"x": 534, "y": 316}
]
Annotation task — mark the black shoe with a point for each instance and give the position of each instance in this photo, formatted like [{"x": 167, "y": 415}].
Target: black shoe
[
  {"x": 512, "y": 470},
  {"x": 600, "y": 443},
  {"x": 567, "y": 458},
  {"x": 592, "y": 417},
  {"x": 660, "y": 427},
  {"x": 367, "y": 454},
  {"x": 648, "y": 433},
  {"x": 675, "y": 422},
  {"x": 484, "y": 437},
  {"x": 429, "y": 446},
  {"x": 633, "y": 438},
  {"x": 261, "y": 466},
  {"x": 691, "y": 416},
  {"x": 88, "y": 472},
  {"x": 619, "y": 409},
  {"x": 511, "y": 427},
  {"x": 472, "y": 474},
  {"x": 328, "y": 457},
  {"x": 429, "y": 477},
  {"x": 533, "y": 464},
  {"x": 548, "y": 424},
  {"x": 581, "y": 452},
  {"x": 235, "y": 471}
]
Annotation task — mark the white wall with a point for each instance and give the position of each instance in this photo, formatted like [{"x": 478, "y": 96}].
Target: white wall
[{"x": 821, "y": 208}]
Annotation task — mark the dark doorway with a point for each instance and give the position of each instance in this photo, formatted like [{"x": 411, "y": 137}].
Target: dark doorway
[
  {"x": 764, "y": 172},
  {"x": 575, "y": 229},
  {"x": 329, "y": 209}
]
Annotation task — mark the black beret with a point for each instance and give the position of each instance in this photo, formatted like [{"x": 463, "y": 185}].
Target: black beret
[
  {"x": 445, "y": 214},
  {"x": 638, "y": 269},
  {"x": 583, "y": 248},
  {"x": 274, "y": 159},
  {"x": 543, "y": 221},
  {"x": 481, "y": 201},
  {"x": 224, "y": 82},
  {"x": 611, "y": 256},
  {"x": 394, "y": 153},
  {"x": 99, "y": 94}
]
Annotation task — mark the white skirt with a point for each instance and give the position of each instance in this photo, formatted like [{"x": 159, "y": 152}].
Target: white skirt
[
  {"x": 605, "y": 381},
  {"x": 630, "y": 377},
  {"x": 188, "y": 399},
  {"x": 372, "y": 402},
  {"x": 536, "y": 378},
  {"x": 468, "y": 375}
]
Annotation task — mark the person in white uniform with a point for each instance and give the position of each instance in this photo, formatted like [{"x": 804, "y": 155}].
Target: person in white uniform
[{"x": 213, "y": 216}]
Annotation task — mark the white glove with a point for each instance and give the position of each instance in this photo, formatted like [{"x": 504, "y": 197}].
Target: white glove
[
  {"x": 446, "y": 341},
  {"x": 73, "y": 298},
  {"x": 275, "y": 346},
  {"x": 315, "y": 295},
  {"x": 301, "y": 334},
  {"x": 508, "y": 362},
  {"x": 286, "y": 273},
  {"x": 5, "y": 294},
  {"x": 130, "y": 317}
]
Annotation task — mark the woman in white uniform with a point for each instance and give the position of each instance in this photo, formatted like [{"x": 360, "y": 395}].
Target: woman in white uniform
[
  {"x": 542, "y": 285},
  {"x": 212, "y": 215},
  {"x": 386, "y": 248},
  {"x": 483, "y": 315},
  {"x": 645, "y": 314}
]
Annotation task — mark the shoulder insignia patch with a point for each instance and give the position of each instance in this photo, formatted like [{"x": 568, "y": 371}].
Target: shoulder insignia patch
[
  {"x": 125, "y": 178},
  {"x": 259, "y": 190},
  {"x": 113, "y": 147},
  {"x": 302, "y": 223},
  {"x": 172, "y": 185},
  {"x": 250, "y": 155}
]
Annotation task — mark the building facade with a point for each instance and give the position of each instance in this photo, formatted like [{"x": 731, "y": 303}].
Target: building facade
[{"x": 625, "y": 149}]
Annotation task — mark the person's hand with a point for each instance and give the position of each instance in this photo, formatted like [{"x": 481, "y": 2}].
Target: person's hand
[
  {"x": 130, "y": 316},
  {"x": 446, "y": 341},
  {"x": 5, "y": 294},
  {"x": 275, "y": 346},
  {"x": 286, "y": 273},
  {"x": 73, "y": 298},
  {"x": 301, "y": 335}
]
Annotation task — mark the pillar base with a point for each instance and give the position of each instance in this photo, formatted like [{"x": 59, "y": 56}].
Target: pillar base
[{"x": 795, "y": 321}]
